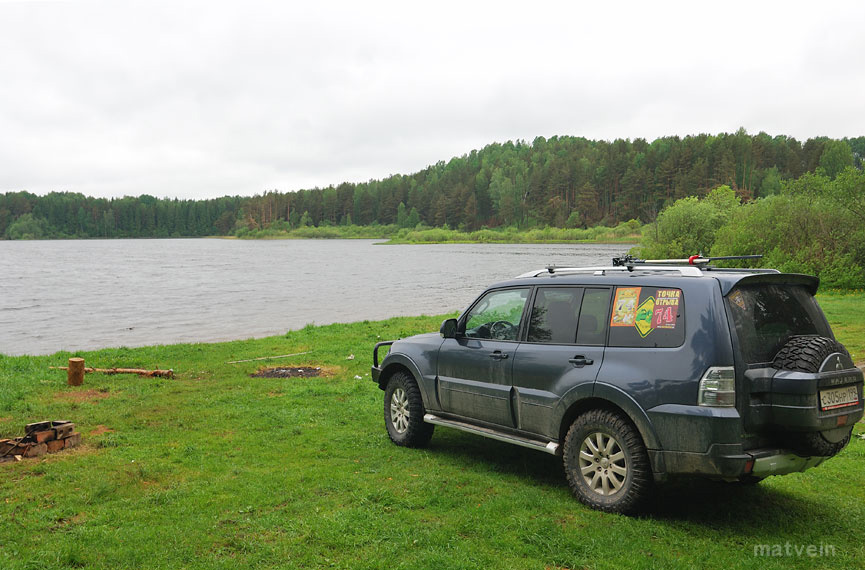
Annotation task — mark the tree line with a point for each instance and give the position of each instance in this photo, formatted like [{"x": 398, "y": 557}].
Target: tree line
[{"x": 558, "y": 182}]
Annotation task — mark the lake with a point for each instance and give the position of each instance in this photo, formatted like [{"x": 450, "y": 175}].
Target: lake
[{"x": 88, "y": 294}]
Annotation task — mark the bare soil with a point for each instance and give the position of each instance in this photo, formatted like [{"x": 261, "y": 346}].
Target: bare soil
[
  {"x": 79, "y": 396},
  {"x": 100, "y": 429},
  {"x": 288, "y": 372}
]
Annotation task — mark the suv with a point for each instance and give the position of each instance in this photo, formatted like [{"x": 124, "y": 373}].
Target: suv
[{"x": 634, "y": 373}]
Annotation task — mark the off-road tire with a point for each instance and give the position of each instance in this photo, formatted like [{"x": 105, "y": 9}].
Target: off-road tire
[
  {"x": 404, "y": 411},
  {"x": 807, "y": 354},
  {"x": 627, "y": 453},
  {"x": 815, "y": 443}
]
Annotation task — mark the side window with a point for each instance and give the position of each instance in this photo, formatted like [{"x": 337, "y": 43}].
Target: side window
[
  {"x": 593, "y": 317},
  {"x": 497, "y": 315},
  {"x": 647, "y": 317},
  {"x": 554, "y": 315}
]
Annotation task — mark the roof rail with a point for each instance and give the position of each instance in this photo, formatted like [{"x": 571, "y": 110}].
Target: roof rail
[
  {"x": 687, "y": 267},
  {"x": 684, "y": 271}
]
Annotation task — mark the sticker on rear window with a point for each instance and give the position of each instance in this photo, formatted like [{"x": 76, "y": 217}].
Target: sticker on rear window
[
  {"x": 666, "y": 308},
  {"x": 625, "y": 306},
  {"x": 643, "y": 322},
  {"x": 738, "y": 299}
]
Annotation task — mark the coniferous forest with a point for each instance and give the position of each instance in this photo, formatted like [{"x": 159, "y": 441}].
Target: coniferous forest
[{"x": 558, "y": 182}]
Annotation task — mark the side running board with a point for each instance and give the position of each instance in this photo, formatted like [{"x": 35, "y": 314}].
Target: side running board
[{"x": 548, "y": 447}]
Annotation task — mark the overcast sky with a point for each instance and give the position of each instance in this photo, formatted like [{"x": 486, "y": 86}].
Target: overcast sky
[{"x": 203, "y": 99}]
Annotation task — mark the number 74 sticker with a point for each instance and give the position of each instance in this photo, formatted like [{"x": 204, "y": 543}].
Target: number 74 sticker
[{"x": 666, "y": 308}]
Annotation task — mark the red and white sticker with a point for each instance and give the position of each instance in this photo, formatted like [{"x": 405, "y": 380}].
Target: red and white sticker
[{"x": 666, "y": 308}]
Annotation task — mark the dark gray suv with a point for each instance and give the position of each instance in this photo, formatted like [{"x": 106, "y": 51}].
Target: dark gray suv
[{"x": 633, "y": 373}]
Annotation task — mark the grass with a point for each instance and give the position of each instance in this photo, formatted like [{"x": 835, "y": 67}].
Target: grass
[
  {"x": 845, "y": 310},
  {"x": 215, "y": 469}
]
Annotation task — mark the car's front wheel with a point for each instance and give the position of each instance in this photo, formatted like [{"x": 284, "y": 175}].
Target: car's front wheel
[
  {"x": 404, "y": 411},
  {"x": 606, "y": 463}
]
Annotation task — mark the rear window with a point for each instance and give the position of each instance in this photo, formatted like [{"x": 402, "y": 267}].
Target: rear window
[
  {"x": 647, "y": 317},
  {"x": 766, "y": 316}
]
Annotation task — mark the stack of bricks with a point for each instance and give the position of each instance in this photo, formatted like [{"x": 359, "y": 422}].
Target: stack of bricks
[{"x": 40, "y": 438}]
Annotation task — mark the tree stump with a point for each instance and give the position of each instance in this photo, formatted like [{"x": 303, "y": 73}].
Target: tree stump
[{"x": 75, "y": 372}]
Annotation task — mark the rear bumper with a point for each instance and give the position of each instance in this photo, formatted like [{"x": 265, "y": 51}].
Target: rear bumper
[
  {"x": 772, "y": 462},
  {"x": 729, "y": 461}
]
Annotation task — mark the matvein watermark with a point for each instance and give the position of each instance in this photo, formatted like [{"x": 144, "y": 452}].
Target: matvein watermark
[{"x": 798, "y": 550}]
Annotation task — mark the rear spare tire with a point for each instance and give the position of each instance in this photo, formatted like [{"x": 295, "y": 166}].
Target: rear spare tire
[{"x": 808, "y": 354}]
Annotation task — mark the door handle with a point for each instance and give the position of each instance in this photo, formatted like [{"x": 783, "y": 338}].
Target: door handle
[
  {"x": 498, "y": 355},
  {"x": 580, "y": 361}
]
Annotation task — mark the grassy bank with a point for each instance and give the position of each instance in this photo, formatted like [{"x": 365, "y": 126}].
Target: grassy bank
[
  {"x": 216, "y": 469},
  {"x": 623, "y": 233}
]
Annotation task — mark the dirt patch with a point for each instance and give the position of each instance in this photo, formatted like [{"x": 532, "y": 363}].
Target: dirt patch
[
  {"x": 100, "y": 429},
  {"x": 288, "y": 372},
  {"x": 79, "y": 396}
]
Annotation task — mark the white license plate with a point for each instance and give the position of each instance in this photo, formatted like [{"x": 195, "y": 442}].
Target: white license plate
[{"x": 839, "y": 397}]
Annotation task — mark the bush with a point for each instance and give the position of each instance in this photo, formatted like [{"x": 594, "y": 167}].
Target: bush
[{"x": 688, "y": 227}]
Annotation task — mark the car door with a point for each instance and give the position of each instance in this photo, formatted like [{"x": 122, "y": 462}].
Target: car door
[
  {"x": 474, "y": 369},
  {"x": 564, "y": 348}
]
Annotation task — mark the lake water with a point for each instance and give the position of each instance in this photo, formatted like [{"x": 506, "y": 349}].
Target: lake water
[{"x": 81, "y": 295}]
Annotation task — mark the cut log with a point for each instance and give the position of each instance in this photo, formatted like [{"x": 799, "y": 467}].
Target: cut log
[
  {"x": 75, "y": 372},
  {"x": 139, "y": 371}
]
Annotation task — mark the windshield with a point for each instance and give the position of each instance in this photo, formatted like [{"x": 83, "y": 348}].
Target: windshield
[{"x": 766, "y": 316}]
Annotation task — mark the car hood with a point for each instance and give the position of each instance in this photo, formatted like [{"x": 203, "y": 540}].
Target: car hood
[{"x": 422, "y": 339}]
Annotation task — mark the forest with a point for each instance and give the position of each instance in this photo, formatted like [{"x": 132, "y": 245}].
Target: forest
[{"x": 560, "y": 182}]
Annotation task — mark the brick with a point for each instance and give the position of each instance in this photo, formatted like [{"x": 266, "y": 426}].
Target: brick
[
  {"x": 56, "y": 423},
  {"x": 37, "y": 426},
  {"x": 64, "y": 430},
  {"x": 73, "y": 439},
  {"x": 6, "y": 445},
  {"x": 43, "y": 436},
  {"x": 55, "y": 445},
  {"x": 35, "y": 450}
]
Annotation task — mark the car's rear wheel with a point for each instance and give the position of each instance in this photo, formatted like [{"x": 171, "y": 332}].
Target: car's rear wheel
[
  {"x": 808, "y": 354},
  {"x": 404, "y": 411},
  {"x": 606, "y": 463}
]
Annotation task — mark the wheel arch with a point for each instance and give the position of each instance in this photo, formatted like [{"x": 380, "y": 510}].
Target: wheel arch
[
  {"x": 605, "y": 396},
  {"x": 394, "y": 367}
]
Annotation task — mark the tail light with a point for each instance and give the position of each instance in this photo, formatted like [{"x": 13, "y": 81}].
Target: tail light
[{"x": 718, "y": 387}]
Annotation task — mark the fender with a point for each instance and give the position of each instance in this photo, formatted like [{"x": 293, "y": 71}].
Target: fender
[
  {"x": 425, "y": 384},
  {"x": 571, "y": 397},
  {"x": 632, "y": 408}
]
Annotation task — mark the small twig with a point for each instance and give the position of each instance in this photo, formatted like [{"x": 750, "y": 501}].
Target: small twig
[{"x": 268, "y": 357}]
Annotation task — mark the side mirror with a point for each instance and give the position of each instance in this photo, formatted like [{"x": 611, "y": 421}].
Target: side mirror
[{"x": 449, "y": 328}]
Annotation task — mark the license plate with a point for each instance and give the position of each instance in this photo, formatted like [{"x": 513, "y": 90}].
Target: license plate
[{"x": 839, "y": 397}]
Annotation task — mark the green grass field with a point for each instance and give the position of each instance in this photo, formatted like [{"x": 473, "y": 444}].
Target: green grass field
[{"x": 216, "y": 469}]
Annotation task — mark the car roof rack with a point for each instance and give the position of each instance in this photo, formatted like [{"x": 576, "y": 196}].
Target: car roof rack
[
  {"x": 554, "y": 270},
  {"x": 696, "y": 260},
  {"x": 692, "y": 266}
]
